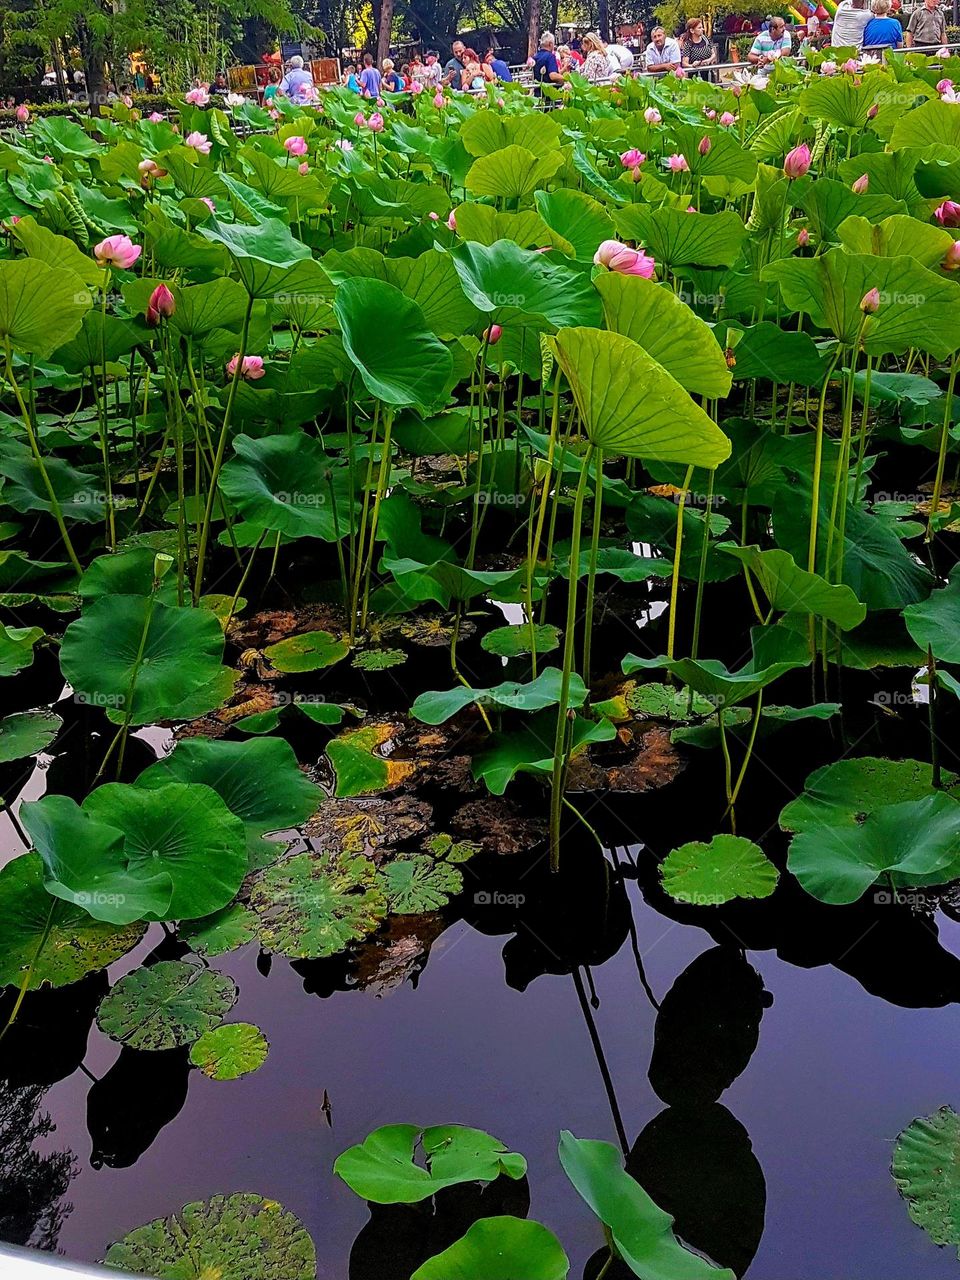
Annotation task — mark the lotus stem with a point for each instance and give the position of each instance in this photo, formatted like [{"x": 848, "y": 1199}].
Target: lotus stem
[
  {"x": 675, "y": 577},
  {"x": 942, "y": 454}
]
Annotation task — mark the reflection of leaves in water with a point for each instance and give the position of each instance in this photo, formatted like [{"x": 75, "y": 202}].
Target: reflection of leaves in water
[
  {"x": 707, "y": 1027},
  {"x": 48, "y": 1041},
  {"x": 31, "y": 1185},
  {"x": 126, "y": 1109},
  {"x": 698, "y": 1164}
]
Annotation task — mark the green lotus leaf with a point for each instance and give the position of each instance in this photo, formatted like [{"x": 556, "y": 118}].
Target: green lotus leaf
[
  {"x": 930, "y": 124},
  {"x": 767, "y": 351},
  {"x": 843, "y": 101},
  {"x": 514, "y": 641},
  {"x": 512, "y": 173},
  {"x": 911, "y": 845},
  {"x": 895, "y": 237},
  {"x": 230, "y": 927},
  {"x": 486, "y": 225},
  {"x": 263, "y": 254},
  {"x": 515, "y": 286},
  {"x": 641, "y": 1232},
  {"x": 378, "y": 659},
  {"x": 184, "y": 829},
  {"x": 235, "y": 771},
  {"x": 310, "y": 906},
  {"x": 238, "y": 1237},
  {"x": 499, "y": 1249},
  {"x": 435, "y": 707},
  {"x": 828, "y": 202},
  {"x": 286, "y": 484},
  {"x": 417, "y": 884},
  {"x": 935, "y": 622},
  {"x": 56, "y": 251},
  {"x": 926, "y": 1160},
  {"x": 530, "y": 749},
  {"x": 578, "y": 218},
  {"x": 180, "y": 669},
  {"x": 41, "y": 307},
  {"x": 667, "y": 329},
  {"x": 201, "y": 308},
  {"x": 676, "y": 238},
  {"x": 431, "y": 281},
  {"x": 100, "y": 338},
  {"x": 16, "y": 648},
  {"x": 845, "y": 792},
  {"x": 226, "y": 1053},
  {"x": 164, "y": 1005},
  {"x": 309, "y": 651},
  {"x": 382, "y": 1168},
  {"x": 45, "y": 941},
  {"x": 709, "y": 874},
  {"x": 25, "y": 733},
  {"x": 125, "y": 573},
  {"x": 487, "y": 131},
  {"x": 631, "y": 406},
  {"x": 79, "y": 496},
  {"x": 790, "y": 589}
]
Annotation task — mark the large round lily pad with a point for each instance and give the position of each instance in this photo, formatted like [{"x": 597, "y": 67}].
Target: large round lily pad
[
  {"x": 27, "y": 732},
  {"x": 313, "y": 906},
  {"x": 843, "y": 793},
  {"x": 499, "y": 1249},
  {"x": 55, "y": 942},
  {"x": 926, "y": 1168},
  {"x": 230, "y": 1051},
  {"x": 726, "y": 868},
  {"x": 165, "y": 1005},
  {"x": 238, "y": 1237}
]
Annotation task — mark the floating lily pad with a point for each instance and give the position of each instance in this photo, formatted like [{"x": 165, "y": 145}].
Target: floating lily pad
[
  {"x": 46, "y": 941},
  {"x": 358, "y": 764},
  {"x": 926, "y": 1169},
  {"x": 419, "y": 883},
  {"x": 238, "y": 1237},
  {"x": 843, "y": 793},
  {"x": 368, "y": 826},
  {"x": 378, "y": 659},
  {"x": 16, "y": 648},
  {"x": 309, "y": 651},
  {"x": 499, "y": 1249},
  {"x": 165, "y": 1005},
  {"x": 383, "y": 1167},
  {"x": 444, "y": 846},
  {"x": 514, "y": 641},
  {"x": 224, "y": 931},
  {"x": 27, "y": 732},
  {"x": 231, "y": 1051},
  {"x": 310, "y": 906},
  {"x": 709, "y": 874}
]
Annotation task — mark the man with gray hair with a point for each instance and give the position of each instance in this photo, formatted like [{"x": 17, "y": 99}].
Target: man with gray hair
[
  {"x": 546, "y": 68},
  {"x": 663, "y": 53},
  {"x": 882, "y": 31},
  {"x": 297, "y": 84}
]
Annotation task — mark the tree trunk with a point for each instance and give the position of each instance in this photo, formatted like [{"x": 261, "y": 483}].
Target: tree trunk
[
  {"x": 533, "y": 27},
  {"x": 94, "y": 59},
  {"x": 384, "y": 30},
  {"x": 603, "y": 19}
]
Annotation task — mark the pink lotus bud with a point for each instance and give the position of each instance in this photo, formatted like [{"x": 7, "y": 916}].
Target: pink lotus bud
[
  {"x": 433, "y": 215},
  {"x": 500, "y": 103},
  {"x": 274, "y": 113},
  {"x": 870, "y": 301},
  {"x": 359, "y": 119},
  {"x": 199, "y": 141},
  {"x": 416, "y": 87},
  {"x": 49, "y": 160},
  {"x": 375, "y": 123},
  {"x": 704, "y": 145},
  {"x": 22, "y": 113},
  {"x": 161, "y": 306},
  {"x": 251, "y": 369},
  {"x": 439, "y": 100},
  {"x": 736, "y": 90},
  {"x": 803, "y": 237},
  {"x": 295, "y": 146},
  {"x": 620, "y": 257},
  {"x": 117, "y": 251},
  {"x": 209, "y": 203},
  {"x": 728, "y": 119},
  {"x": 452, "y": 221},
  {"x": 797, "y": 161},
  {"x": 861, "y": 184},
  {"x": 630, "y": 159},
  {"x": 155, "y": 117},
  {"x": 678, "y": 164},
  {"x": 943, "y": 53},
  {"x": 197, "y": 97},
  {"x": 492, "y": 335},
  {"x": 850, "y": 66},
  {"x": 652, "y": 115},
  {"x": 948, "y": 214},
  {"x": 303, "y": 169},
  {"x": 680, "y": 73},
  {"x": 127, "y": 100},
  {"x": 709, "y": 113},
  {"x": 344, "y": 144},
  {"x": 872, "y": 113},
  {"x": 380, "y": 102},
  {"x": 952, "y": 261},
  {"x": 828, "y": 68}
]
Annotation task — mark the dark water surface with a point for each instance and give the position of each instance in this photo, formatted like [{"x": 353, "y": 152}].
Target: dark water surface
[{"x": 837, "y": 1073}]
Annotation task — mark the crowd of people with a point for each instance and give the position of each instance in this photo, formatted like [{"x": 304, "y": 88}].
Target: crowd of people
[{"x": 465, "y": 69}]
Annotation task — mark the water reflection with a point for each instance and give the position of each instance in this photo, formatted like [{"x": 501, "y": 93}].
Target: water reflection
[
  {"x": 126, "y": 1109},
  {"x": 32, "y": 1186}
]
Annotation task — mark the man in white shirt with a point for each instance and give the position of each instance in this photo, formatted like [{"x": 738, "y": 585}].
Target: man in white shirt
[
  {"x": 620, "y": 59},
  {"x": 663, "y": 53},
  {"x": 849, "y": 24}
]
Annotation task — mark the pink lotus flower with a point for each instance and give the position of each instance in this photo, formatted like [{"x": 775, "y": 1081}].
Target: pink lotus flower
[
  {"x": 161, "y": 306},
  {"x": 952, "y": 261},
  {"x": 948, "y": 214},
  {"x": 375, "y": 123},
  {"x": 861, "y": 185},
  {"x": 117, "y": 251},
  {"x": 127, "y": 100},
  {"x": 704, "y": 145},
  {"x": 492, "y": 335},
  {"x": 630, "y": 159},
  {"x": 943, "y": 85},
  {"x": 803, "y": 237},
  {"x": 797, "y": 162},
  {"x": 22, "y": 113},
  {"x": 678, "y": 164},
  {"x": 950, "y": 95},
  {"x": 680, "y": 73},
  {"x": 452, "y": 221},
  {"x": 150, "y": 169},
  {"x": 870, "y": 301},
  {"x": 209, "y": 203},
  {"x": 197, "y": 97},
  {"x": 943, "y": 53},
  {"x": 295, "y": 146},
  {"x": 199, "y": 141},
  {"x": 344, "y": 144},
  {"x": 359, "y": 119},
  {"x": 433, "y": 215},
  {"x": 828, "y": 68},
  {"x": 416, "y": 87},
  {"x": 439, "y": 100},
  {"x": 380, "y": 102},
  {"x": 251, "y": 368},
  {"x": 709, "y": 113},
  {"x": 728, "y": 119},
  {"x": 303, "y": 169},
  {"x": 652, "y": 115},
  {"x": 850, "y": 66},
  {"x": 155, "y": 117},
  {"x": 49, "y": 160},
  {"x": 274, "y": 113},
  {"x": 620, "y": 257}
]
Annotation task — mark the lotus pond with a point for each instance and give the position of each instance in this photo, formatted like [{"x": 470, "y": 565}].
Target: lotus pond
[{"x": 479, "y": 641}]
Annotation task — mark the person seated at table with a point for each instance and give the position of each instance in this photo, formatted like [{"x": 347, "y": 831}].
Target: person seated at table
[
  {"x": 882, "y": 31},
  {"x": 596, "y": 66},
  {"x": 697, "y": 50},
  {"x": 663, "y": 52}
]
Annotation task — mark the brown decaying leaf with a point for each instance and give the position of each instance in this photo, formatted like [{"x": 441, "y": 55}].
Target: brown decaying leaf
[{"x": 499, "y": 825}]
